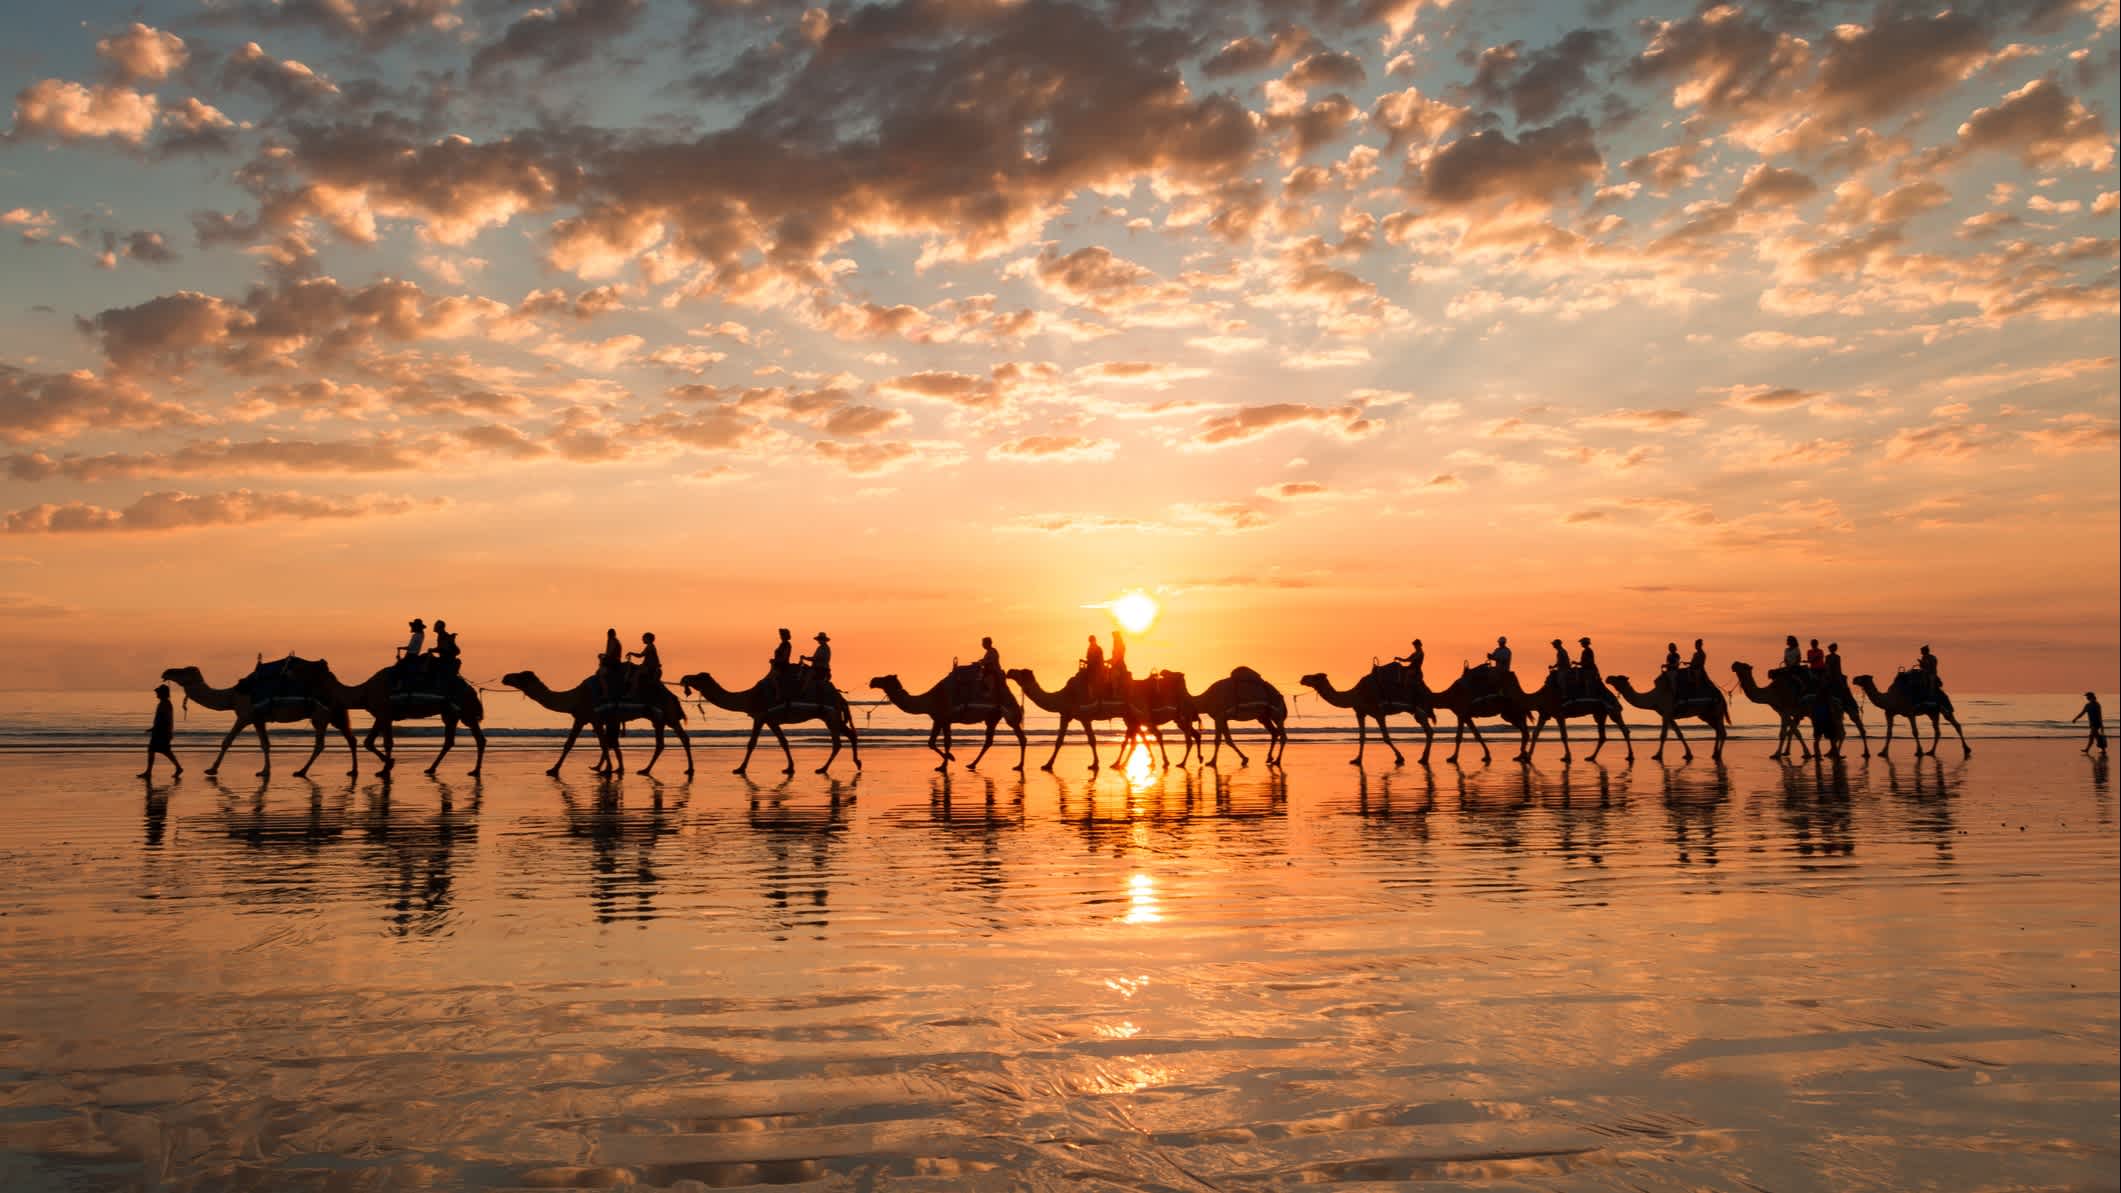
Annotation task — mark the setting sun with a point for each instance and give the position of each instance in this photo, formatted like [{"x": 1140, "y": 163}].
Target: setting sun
[{"x": 1134, "y": 612}]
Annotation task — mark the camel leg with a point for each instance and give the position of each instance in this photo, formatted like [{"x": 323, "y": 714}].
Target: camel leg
[
  {"x": 225, "y": 743},
  {"x": 1362, "y": 737},
  {"x": 749, "y": 746},
  {"x": 1428, "y": 736},
  {"x": 1458, "y": 742},
  {"x": 567, "y": 747},
  {"x": 1385, "y": 731},
  {"x": 1058, "y": 738},
  {"x": 985, "y": 745},
  {"x": 389, "y": 754},
  {"x": 1480, "y": 740},
  {"x": 449, "y": 739},
  {"x": 1664, "y": 730},
  {"x": 657, "y": 722},
  {"x": 832, "y": 726},
  {"x": 353, "y": 751},
  {"x": 1280, "y": 742},
  {"x": 1885, "y": 748},
  {"x": 1163, "y": 752},
  {"x": 1526, "y": 746},
  {"x": 685, "y": 740},
  {"x": 1223, "y": 727},
  {"x": 1969, "y": 750},
  {"x": 1717, "y": 725},
  {"x": 1600, "y": 719},
  {"x": 264, "y": 748},
  {"x": 1855, "y": 716},
  {"x": 1562, "y": 724},
  {"x": 1090, "y": 733},
  {"x": 788, "y": 755},
  {"x": 316, "y": 750},
  {"x": 1023, "y": 744},
  {"x": 940, "y": 729},
  {"x": 1681, "y": 735}
]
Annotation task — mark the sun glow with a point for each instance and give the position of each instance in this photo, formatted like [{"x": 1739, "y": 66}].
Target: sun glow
[{"x": 1134, "y": 612}]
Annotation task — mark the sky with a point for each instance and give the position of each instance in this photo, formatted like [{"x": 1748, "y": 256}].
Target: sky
[{"x": 1330, "y": 323}]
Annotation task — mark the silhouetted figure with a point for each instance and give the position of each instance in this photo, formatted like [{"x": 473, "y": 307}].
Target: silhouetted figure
[
  {"x": 415, "y": 645},
  {"x": 1792, "y": 658},
  {"x": 445, "y": 648},
  {"x": 990, "y": 669},
  {"x": 163, "y": 735},
  {"x": 1671, "y": 662},
  {"x": 1116, "y": 666},
  {"x": 1698, "y": 663},
  {"x": 1413, "y": 659},
  {"x": 820, "y": 662},
  {"x": 1562, "y": 662},
  {"x": 781, "y": 665},
  {"x": 2090, "y": 713},
  {"x": 1815, "y": 658},
  {"x": 1093, "y": 667},
  {"x": 1926, "y": 664},
  {"x": 1587, "y": 666},
  {"x": 649, "y": 675},
  {"x": 1500, "y": 656},
  {"x": 614, "y": 651},
  {"x": 1826, "y": 720}
]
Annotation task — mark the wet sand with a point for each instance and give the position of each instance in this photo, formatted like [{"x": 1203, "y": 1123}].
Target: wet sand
[{"x": 1892, "y": 975}]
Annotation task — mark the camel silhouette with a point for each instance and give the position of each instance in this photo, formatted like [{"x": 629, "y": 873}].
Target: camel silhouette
[
  {"x": 1473, "y": 696},
  {"x": 1910, "y": 700},
  {"x": 1376, "y": 696},
  {"x": 769, "y": 709},
  {"x": 1709, "y": 707},
  {"x": 589, "y": 703},
  {"x": 390, "y": 696},
  {"x": 293, "y": 701},
  {"x": 1245, "y": 695},
  {"x": 1072, "y": 704},
  {"x": 1792, "y": 704},
  {"x": 1160, "y": 699},
  {"x": 1552, "y": 701},
  {"x": 959, "y": 698}
]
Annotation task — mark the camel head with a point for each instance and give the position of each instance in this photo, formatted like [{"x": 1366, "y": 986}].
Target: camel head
[
  {"x": 1020, "y": 675},
  {"x": 1316, "y": 680},
  {"x": 520, "y": 680},
  {"x": 1742, "y": 668},
  {"x": 1866, "y": 683},
  {"x": 698, "y": 680},
  {"x": 183, "y": 675},
  {"x": 883, "y": 683},
  {"x": 1620, "y": 683}
]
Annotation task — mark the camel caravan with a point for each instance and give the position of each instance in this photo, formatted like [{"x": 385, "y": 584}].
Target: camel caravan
[{"x": 1809, "y": 690}]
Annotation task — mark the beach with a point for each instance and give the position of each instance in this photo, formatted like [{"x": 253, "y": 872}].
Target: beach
[{"x": 1883, "y": 974}]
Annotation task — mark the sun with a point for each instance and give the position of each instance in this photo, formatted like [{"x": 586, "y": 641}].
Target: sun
[{"x": 1135, "y": 611}]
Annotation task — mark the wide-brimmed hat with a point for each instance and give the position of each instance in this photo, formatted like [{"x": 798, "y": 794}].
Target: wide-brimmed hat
[
  {"x": 822, "y": 636},
  {"x": 417, "y": 624}
]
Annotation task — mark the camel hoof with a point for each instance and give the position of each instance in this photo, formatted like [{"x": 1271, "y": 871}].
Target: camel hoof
[
  {"x": 553, "y": 773},
  {"x": 737, "y": 771},
  {"x": 1047, "y": 767}
]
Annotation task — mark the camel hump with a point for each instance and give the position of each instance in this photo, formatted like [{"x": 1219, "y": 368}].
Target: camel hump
[{"x": 1246, "y": 675}]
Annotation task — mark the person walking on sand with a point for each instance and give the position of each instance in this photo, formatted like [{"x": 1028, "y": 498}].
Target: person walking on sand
[
  {"x": 163, "y": 734},
  {"x": 2090, "y": 713}
]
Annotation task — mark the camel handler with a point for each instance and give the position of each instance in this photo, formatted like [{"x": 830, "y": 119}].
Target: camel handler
[
  {"x": 649, "y": 675},
  {"x": 820, "y": 661},
  {"x": 2091, "y": 714},
  {"x": 163, "y": 735}
]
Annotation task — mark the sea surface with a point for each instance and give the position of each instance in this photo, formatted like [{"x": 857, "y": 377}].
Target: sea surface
[{"x": 1884, "y": 974}]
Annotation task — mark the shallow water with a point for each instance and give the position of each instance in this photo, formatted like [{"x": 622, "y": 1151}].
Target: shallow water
[{"x": 1891, "y": 975}]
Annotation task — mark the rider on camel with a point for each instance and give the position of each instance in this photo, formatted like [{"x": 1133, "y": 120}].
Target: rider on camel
[
  {"x": 649, "y": 675},
  {"x": 820, "y": 661},
  {"x": 990, "y": 669},
  {"x": 445, "y": 649},
  {"x": 1500, "y": 656}
]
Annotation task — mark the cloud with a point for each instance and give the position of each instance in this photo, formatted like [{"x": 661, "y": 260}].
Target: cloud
[
  {"x": 1539, "y": 85},
  {"x": 1057, "y": 448},
  {"x": 140, "y": 54},
  {"x": 1249, "y": 423},
  {"x": 65, "y": 111},
  {"x": 2041, "y": 125},
  {"x": 567, "y": 34},
  {"x": 877, "y": 459},
  {"x": 173, "y": 510},
  {"x": 290, "y": 85},
  {"x": 1540, "y": 167},
  {"x": 45, "y": 406}
]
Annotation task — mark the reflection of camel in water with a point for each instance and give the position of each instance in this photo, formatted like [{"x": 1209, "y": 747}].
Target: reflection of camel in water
[
  {"x": 1245, "y": 695},
  {"x": 1793, "y": 704},
  {"x": 1553, "y": 702},
  {"x": 277, "y": 710},
  {"x": 940, "y": 706},
  {"x": 1903, "y": 700},
  {"x": 1708, "y": 707},
  {"x": 586, "y": 703},
  {"x": 1072, "y": 703},
  {"x": 1477, "y": 693},
  {"x": 1373, "y": 698},
  {"x": 385, "y": 697},
  {"x": 768, "y": 709}
]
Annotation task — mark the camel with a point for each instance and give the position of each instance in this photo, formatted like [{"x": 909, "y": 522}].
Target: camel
[
  {"x": 1469, "y": 705},
  {"x": 1552, "y": 703},
  {"x": 1792, "y": 704},
  {"x": 769, "y": 709},
  {"x": 1072, "y": 704},
  {"x": 1711, "y": 709},
  {"x": 392, "y": 695},
  {"x": 292, "y": 702},
  {"x": 1158, "y": 699},
  {"x": 943, "y": 706},
  {"x": 1373, "y": 698},
  {"x": 585, "y": 703},
  {"x": 1900, "y": 701},
  {"x": 1245, "y": 695}
]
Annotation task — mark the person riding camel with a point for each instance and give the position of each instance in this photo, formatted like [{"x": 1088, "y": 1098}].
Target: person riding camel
[
  {"x": 990, "y": 669},
  {"x": 1562, "y": 667},
  {"x": 781, "y": 664},
  {"x": 1587, "y": 668},
  {"x": 1412, "y": 660},
  {"x": 1815, "y": 658},
  {"x": 1500, "y": 656},
  {"x": 1926, "y": 663},
  {"x": 1116, "y": 667},
  {"x": 649, "y": 675},
  {"x": 610, "y": 662},
  {"x": 820, "y": 661},
  {"x": 1093, "y": 668},
  {"x": 445, "y": 649},
  {"x": 409, "y": 654},
  {"x": 1792, "y": 658}
]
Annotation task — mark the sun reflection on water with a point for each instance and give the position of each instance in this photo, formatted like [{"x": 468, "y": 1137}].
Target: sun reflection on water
[{"x": 1142, "y": 904}]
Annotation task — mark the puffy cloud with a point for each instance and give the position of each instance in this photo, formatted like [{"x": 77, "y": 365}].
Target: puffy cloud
[
  {"x": 43, "y": 406},
  {"x": 1539, "y": 85},
  {"x": 2043, "y": 126},
  {"x": 1062, "y": 448},
  {"x": 142, "y": 54},
  {"x": 566, "y": 34},
  {"x": 876, "y": 459},
  {"x": 66, "y": 111},
  {"x": 1411, "y": 118},
  {"x": 288, "y": 84},
  {"x": 1540, "y": 167},
  {"x": 184, "y": 511}
]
